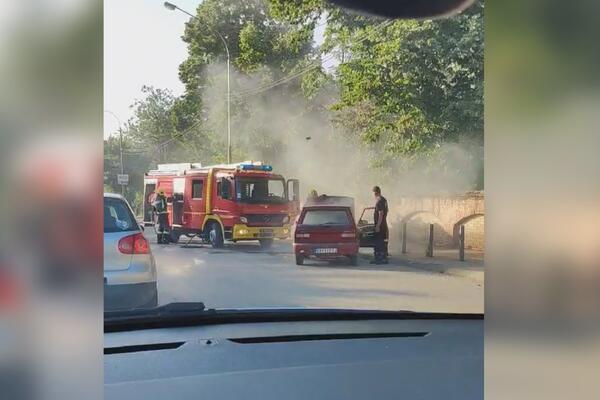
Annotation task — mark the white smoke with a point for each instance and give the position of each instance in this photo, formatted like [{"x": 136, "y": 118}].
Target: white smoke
[{"x": 297, "y": 136}]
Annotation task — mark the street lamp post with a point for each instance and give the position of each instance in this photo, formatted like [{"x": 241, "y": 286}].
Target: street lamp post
[{"x": 173, "y": 7}]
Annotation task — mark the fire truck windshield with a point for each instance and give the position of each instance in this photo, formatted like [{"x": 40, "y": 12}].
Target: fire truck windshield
[{"x": 260, "y": 190}]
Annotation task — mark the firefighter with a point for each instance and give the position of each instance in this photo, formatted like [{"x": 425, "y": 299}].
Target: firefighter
[
  {"x": 380, "y": 252},
  {"x": 160, "y": 205}
]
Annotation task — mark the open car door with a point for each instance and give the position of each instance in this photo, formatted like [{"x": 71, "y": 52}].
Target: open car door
[
  {"x": 366, "y": 227},
  {"x": 293, "y": 195}
]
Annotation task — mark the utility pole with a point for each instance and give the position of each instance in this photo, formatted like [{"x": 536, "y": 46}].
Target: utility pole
[{"x": 228, "y": 108}]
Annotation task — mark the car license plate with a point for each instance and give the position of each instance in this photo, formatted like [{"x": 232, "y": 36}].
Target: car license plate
[
  {"x": 329, "y": 250},
  {"x": 266, "y": 233}
]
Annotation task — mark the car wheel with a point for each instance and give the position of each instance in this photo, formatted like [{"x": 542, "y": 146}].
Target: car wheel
[
  {"x": 266, "y": 243},
  {"x": 215, "y": 235},
  {"x": 354, "y": 260},
  {"x": 299, "y": 259}
]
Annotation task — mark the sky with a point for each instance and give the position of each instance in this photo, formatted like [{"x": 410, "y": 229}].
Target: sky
[{"x": 143, "y": 46}]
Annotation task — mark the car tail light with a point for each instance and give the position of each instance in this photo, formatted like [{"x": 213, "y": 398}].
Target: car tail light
[
  {"x": 134, "y": 244},
  {"x": 302, "y": 235},
  {"x": 348, "y": 234}
]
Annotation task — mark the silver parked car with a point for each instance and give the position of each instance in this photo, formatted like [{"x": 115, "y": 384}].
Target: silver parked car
[{"x": 129, "y": 266}]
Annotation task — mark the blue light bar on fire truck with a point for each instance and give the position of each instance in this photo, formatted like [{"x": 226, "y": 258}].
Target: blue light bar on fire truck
[{"x": 255, "y": 167}]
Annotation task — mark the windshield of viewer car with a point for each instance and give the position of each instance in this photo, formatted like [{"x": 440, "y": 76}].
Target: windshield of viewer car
[{"x": 326, "y": 105}]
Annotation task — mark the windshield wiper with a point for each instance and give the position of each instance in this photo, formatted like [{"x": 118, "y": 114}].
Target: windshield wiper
[{"x": 195, "y": 314}]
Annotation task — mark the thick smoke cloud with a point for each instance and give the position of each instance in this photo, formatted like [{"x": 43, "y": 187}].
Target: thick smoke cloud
[{"x": 300, "y": 138}]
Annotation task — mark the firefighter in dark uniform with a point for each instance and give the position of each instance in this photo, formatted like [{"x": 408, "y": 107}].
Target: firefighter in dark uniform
[
  {"x": 160, "y": 205},
  {"x": 381, "y": 229}
]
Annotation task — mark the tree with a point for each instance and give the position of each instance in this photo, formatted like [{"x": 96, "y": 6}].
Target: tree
[
  {"x": 404, "y": 93},
  {"x": 263, "y": 51},
  {"x": 406, "y": 87},
  {"x": 165, "y": 129}
]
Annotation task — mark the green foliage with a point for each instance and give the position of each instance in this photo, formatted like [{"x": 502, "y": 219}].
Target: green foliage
[
  {"x": 414, "y": 84},
  {"x": 297, "y": 12},
  {"x": 401, "y": 90},
  {"x": 254, "y": 48},
  {"x": 153, "y": 122},
  {"x": 407, "y": 86}
]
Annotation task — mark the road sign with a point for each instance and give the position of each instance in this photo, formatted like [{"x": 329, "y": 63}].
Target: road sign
[{"x": 123, "y": 179}]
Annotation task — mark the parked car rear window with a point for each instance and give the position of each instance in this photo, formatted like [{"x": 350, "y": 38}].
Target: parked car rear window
[
  {"x": 118, "y": 216},
  {"x": 325, "y": 217}
]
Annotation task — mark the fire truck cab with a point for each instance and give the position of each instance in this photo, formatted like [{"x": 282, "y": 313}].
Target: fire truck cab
[{"x": 244, "y": 201}]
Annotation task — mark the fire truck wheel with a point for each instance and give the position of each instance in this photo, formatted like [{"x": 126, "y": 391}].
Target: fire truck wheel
[
  {"x": 175, "y": 236},
  {"x": 299, "y": 259},
  {"x": 265, "y": 243},
  {"x": 215, "y": 235}
]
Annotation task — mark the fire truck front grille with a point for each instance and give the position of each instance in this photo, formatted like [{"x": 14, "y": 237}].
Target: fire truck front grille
[{"x": 265, "y": 219}]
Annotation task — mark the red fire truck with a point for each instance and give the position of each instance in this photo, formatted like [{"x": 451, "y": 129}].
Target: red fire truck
[{"x": 244, "y": 201}]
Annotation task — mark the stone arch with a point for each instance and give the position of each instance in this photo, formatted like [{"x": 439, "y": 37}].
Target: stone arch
[
  {"x": 474, "y": 230},
  {"x": 419, "y": 231},
  {"x": 413, "y": 214}
]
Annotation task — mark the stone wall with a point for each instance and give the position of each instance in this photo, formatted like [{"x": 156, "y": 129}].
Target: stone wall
[{"x": 446, "y": 212}]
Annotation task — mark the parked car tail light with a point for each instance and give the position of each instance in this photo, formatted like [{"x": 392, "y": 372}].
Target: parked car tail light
[
  {"x": 348, "y": 234},
  {"x": 134, "y": 244},
  {"x": 302, "y": 235}
]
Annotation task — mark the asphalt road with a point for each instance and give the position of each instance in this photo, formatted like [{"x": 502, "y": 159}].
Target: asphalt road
[{"x": 242, "y": 276}]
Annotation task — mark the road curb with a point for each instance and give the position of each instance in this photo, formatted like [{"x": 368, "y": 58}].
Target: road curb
[{"x": 477, "y": 276}]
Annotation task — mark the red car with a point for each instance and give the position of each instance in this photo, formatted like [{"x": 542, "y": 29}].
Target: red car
[{"x": 326, "y": 230}]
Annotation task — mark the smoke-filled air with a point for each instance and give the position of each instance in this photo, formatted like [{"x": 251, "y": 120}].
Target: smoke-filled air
[{"x": 340, "y": 101}]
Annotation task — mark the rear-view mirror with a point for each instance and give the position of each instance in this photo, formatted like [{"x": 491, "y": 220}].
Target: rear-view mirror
[
  {"x": 293, "y": 189},
  {"x": 406, "y": 9}
]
